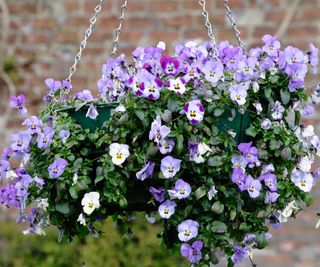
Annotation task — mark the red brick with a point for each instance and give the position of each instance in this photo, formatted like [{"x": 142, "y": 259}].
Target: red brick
[
  {"x": 164, "y": 5},
  {"x": 311, "y": 13}
]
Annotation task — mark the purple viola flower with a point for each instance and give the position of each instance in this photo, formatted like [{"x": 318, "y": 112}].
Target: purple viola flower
[
  {"x": 293, "y": 56},
  {"x": 53, "y": 85},
  {"x": 239, "y": 178},
  {"x": 246, "y": 69},
  {"x": 19, "y": 102},
  {"x": 313, "y": 57},
  {"x": 187, "y": 230},
  {"x": 4, "y": 168},
  {"x": 66, "y": 85},
  {"x": 297, "y": 74},
  {"x": 238, "y": 93},
  {"x": 56, "y": 169},
  {"x": 146, "y": 172},
  {"x": 277, "y": 111},
  {"x": 20, "y": 142},
  {"x": 256, "y": 52},
  {"x": 64, "y": 135},
  {"x": 166, "y": 146},
  {"x": 271, "y": 45},
  {"x": 308, "y": 111},
  {"x": 169, "y": 65},
  {"x": 266, "y": 124},
  {"x": 192, "y": 73},
  {"x": 271, "y": 197},
  {"x": 177, "y": 85},
  {"x": 92, "y": 112},
  {"x": 274, "y": 221},
  {"x": 136, "y": 82},
  {"x": 158, "y": 194},
  {"x": 158, "y": 132},
  {"x": 181, "y": 190},
  {"x": 104, "y": 85},
  {"x": 193, "y": 252},
  {"x": 39, "y": 182},
  {"x": 303, "y": 180},
  {"x": 22, "y": 185},
  {"x": 240, "y": 254},
  {"x": 270, "y": 180},
  {"x": 84, "y": 95},
  {"x": 213, "y": 71},
  {"x": 253, "y": 187},
  {"x": 266, "y": 63},
  {"x": 152, "y": 87},
  {"x": 167, "y": 209},
  {"x": 170, "y": 166},
  {"x": 9, "y": 197},
  {"x": 33, "y": 124},
  {"x": 6, "y": 154},
  {"x": 231, "y": 57},
  {"x": 249, "y": 152},
  {"x": 193, "y": 150},
  {"x": 194, "y": 111},
  {"x": 44, "y": 138},
  {"x": 239, "y": 162}
]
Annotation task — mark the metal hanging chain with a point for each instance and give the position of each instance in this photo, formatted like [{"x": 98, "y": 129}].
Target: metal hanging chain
[
  {"x": 83, "y": 44},
  {"x": 233, "y": 24},
  {"x": 205, "y": 14},
  {"x": 115, "y": 43}
]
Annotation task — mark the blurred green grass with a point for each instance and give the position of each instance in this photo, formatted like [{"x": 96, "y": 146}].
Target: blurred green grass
[{"x": 111, "y": 250}]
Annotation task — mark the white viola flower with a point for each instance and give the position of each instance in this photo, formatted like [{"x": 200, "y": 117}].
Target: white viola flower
[
  {"x": 119, "y": 153},
  {"x": 308, "y": 131},
  {"x": 43, "y": 204},
  {"x": 302, "y": 180},
  {"x": 75, "y": 179},
  {"x": 305, "y": 164},
  {"x": 212, "y": 192},
  {"x": 267, "y": 168},
  {"x": 202, "y": 150},
  {"x": 162, "y": 45},
  {"x": 238, "y": 93},
  {"x": 92, "y": 112},
  {"x": 266, "y": 124},
  {"x": 120, "y": 108},
  {"x": 255, "y": 87},
  {"x": 35, "y": 231},
  {"x": 152, "y": 217},
  {"x": 81, "y": 219},
  {"x": 177, "y": 85},
  {"x": 287, "y": 212},
  {"x": 11, "y": 175},
  {"x": 315, "y": 142},
  {"x": 90, "y": 202},
  {"x": 258, "y": 107},
  {"x": 277, "y": 111}
]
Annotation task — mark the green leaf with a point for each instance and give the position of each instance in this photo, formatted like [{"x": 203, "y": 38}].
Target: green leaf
[
  {"x": 215, "y": 161},
  {"x": 285, "y": 96},
  {"x": 252, "y": 131},
  {"x": 179, "y": 146},
  {"x": 218, "y": 227},
  {"x": 218, "y": 112},
  {"x": 200, "y": 192},
  {"x": 73, "y": 192},
  {"x": 63, "y": 208},
  {"x": 77, "y": 164},
  {"x": 217, "y": 207},
  {"x": 262, "y": 242},
  {"x": 139, "y": 114}
]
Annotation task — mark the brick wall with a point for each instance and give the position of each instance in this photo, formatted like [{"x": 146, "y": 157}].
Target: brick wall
[{"x": 44, "y": 37}]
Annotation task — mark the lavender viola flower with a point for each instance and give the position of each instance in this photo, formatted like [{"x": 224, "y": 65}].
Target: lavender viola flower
[
  {"x": 239, "y": 178},
  {"x": 8, "y": 196},
  {"x": 239, "y": 162},
  {"x": 197, "y": 151},
  {"x": 181, "y": 190},
  {"x": 158, "y": 132},
  {"x": 53, "y": 85},
  {"x": 187, "y": 230},
  {"x": 277, "y": 111},
  {"x": 270, "y": 180},
  {"x": 158, "y": 194},
  {"x": 167, "y": 209},
  {"x": 272, "y": 45},
  {"x": 246, "y": 69},
  {"x": 192, "y": 73},
  {"x": 44, "y": 138},
  {"x": 193, "y": 252},
  {"x": 266, "y": 124},
  {"x": 213, "y": 71},
  {"x": 293, "y": 56},
  {"x": 152, "y": 87},
  {"x": 303, "y": 180},
  {"x": 6, "y": 154},
  {"x": 19, "y": 102},
  {"x": 92, "y": 112},
  {"x": 84, "y": 95},
  {"x": 64, "y": 135},
  {"x": 238, "y": 93},
  {"x": 20, "y": 142},
  {"x": 240, "y": 254},
  {"x": 249, "y": 152},
  {"x": 169, "y": 65},
  {"x": 231, "y": 57},
  {"x": 177, "y": 85},
  {"x": 22, "y": 185},
  {"x": 146, "y": 172},
  {"x": 313, "y": 57},
  {"x": 297, "y": 74},
  {"x": 194, "y": 111},
  {"x": 253, "y": 187},
  {"x": 56, "y": 169},
  {"x": 104, "y": 86},
  {"x": 170, "y": 166},
  {"x": 166, "y": 146},
  {"x": 271, "y": 197},
  {"x": 4, "y": 168},
  {"x": 33, "y": 124}
]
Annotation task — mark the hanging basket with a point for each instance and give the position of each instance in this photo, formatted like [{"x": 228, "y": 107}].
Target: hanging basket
[{"x": 201, "y": 141}]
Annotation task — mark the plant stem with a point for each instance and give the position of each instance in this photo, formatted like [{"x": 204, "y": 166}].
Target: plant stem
[{"x": 252, "y": 262}]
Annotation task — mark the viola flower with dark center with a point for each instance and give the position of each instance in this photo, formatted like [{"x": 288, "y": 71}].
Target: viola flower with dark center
[
  {"x": 253, "y": 186},
  {"x": 246, "y": 69},
  {"x": 272, "y": 45},
  {"x": 44, "y": 138},
  {"x": 53, "y": 85},
  {"x": 231, "y": 57},
  {"x": 33, "y": 124},
  {"x": 158, "y": 132},
  {"x": 181, "y": 190},
  {"x": 19, "y": 102},
  {"x": 84, "y": 95},
  {"x": 240, "y": 254},
  {"x": 193, "y": 252},
  {"x": 92, "y": 112},
  {"x": 297, "y": 74},
  {"x": 270, "y": 180},
  {"x": 20, "y": 142},
  {"x": 194, "y": 111},
  {"x": 158, "y": 194},
  {"x": 277, "y": 111},
  {"x": 169, "y": 65},
  {"x": 56, "y": 169},
  {"x": 170, "y": 166},
  {"x": 167, "y": 209},
  {"x": 187, "y": 230},
  {"x": 239, "y": 178},
  {"x": 166, "y": 146},
  {"x": 213, "y": 71},
  {"x": 152, "y": 87},
  {"x": 177, "y": 85},
  {"x": 250, "y": 153},
  {"x": 239, "y": 93},
  {"x": 303, "y": 180},
  {"x": 119, "y": 153}
]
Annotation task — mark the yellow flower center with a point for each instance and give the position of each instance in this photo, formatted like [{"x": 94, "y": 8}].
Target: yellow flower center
[
  {"x": 246, "y": 68},
  {"x": 166, "y": 211},
  {"x": 119, "y": 155},
  {"x": 191, "y": 73},
  {"x": 212, "y": 73},
  {"x": 232, "y": 60},
  {"x": 90, "y": 205},
  {"x": 20, "y": 143},
  {"x": 44, "y": 140},
  {"x": 33, "y": 127},
  {"x": 170, "y": 69},
  {"x": 182, "y": 191},
  {"x": 177, "y": 86},
  {"x": 138, "y": 85},
  {"x": 251, "y": 189},
  {"x": 193, "y": 114},
  {"x": 152, "y": 89},
  {"x": 171, "y": 169},
  {"x": 187, "y": 233},
  {"x": 271, "y": 47},
  {"x": 238, "y": 97},
  {"x": 293, "y": 60},
  {"x": 55, "y": 170},
  {"x": 303, "y": 183}
]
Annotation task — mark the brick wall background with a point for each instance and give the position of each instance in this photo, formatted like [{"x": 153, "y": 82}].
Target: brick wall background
[{"x": 44, "y": 36}]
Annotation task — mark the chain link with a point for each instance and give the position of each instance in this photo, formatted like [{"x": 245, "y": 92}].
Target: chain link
[
  {"x": 205, "y": 14},
  {"x": 233, "y": 24},
  {"x": 83, "y": 44},
  {"x": 115, "y": 43}
]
